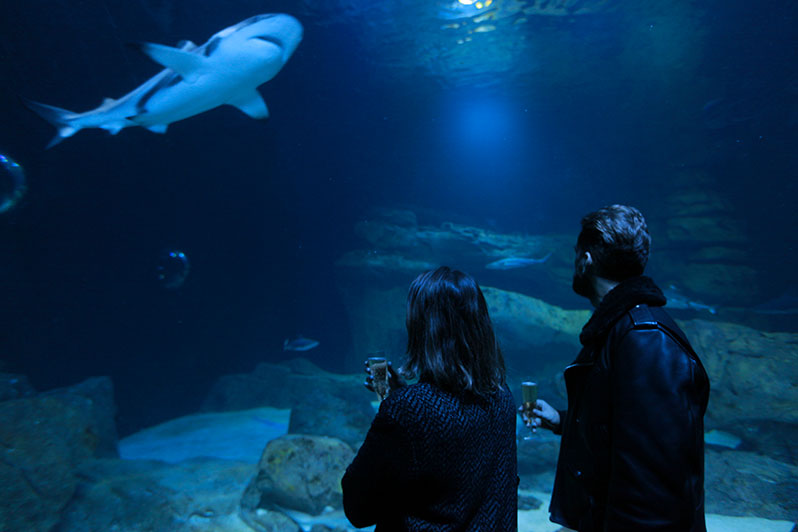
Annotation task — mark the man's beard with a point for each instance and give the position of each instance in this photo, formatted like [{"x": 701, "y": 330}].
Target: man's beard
[{"x": 582, "y": 284}]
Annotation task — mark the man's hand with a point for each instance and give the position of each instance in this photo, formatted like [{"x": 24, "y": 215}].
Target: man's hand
[{"x": 543, "y": 415}]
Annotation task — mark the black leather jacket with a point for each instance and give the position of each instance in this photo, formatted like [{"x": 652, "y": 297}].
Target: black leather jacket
[{"x": 632, "y": 450}]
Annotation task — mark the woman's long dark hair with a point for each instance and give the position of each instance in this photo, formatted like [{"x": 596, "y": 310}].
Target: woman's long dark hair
[{"x": 450, "y": 339}]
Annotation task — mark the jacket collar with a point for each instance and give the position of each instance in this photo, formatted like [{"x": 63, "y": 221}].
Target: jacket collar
[{"x": 617, "y": 302}]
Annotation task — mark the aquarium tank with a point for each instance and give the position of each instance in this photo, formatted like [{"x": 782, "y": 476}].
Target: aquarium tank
[{"x": 211, "y": 213}]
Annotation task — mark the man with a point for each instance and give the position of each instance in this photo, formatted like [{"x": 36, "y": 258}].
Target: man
[{"x": 632, "y": 449}]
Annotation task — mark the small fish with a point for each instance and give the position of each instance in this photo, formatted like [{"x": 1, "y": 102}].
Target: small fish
[
  {"x": 511, "y": 263},
  {"x": 299, "y": 344}
]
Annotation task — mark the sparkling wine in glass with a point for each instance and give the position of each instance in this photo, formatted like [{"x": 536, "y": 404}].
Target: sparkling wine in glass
[
  {"x": 529, "y": 395},
  {"x": 379, "y": 372}
]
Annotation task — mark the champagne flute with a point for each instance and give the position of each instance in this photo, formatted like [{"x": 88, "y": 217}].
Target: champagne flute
[
  {"x": 529, "y": 395},
  {"x": 379, "y": 373}
]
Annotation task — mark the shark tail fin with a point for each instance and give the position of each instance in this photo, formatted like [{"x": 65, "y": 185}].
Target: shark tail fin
[{"x": 60, "y": 118}]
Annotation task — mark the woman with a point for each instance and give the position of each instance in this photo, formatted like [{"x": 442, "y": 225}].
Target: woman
[{"x": 441, "y": 453}]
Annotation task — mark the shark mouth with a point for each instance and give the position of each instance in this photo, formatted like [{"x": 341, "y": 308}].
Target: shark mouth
[{"x": 273, "y": 40}]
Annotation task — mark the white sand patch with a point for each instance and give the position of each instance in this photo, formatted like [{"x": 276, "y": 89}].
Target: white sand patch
[
  {"x": 726, "y": 523},
  {"x": 722, "y": 439},
  {"x": 239, "y": 436},
  {"x": 330, "y": 518}
]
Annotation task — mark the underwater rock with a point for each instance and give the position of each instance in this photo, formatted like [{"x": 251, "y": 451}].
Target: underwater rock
[
  {"x": 719, "y": 254},
  {"x": 532, "y": 328},
  {"x": 373, "y": 281},
  {"x": 701, "y": 241},
  {"x": 771, "y": 438},
  {"x": 380, "y": 264},
  {"x": 263, "y": 387},
  {"x": 323, "y": 528},
  {"x": 13, "y": 386},
  {"x": 44, "y": 438},
  {"x": 694, "y": 229},
  {"x": 747, "y": 369},
  {"x": 729, "y": 284},
  {"x": 527, "y": 501},
  {"x": 397, "y": 244},
  {"x": 98, "y": 393},
  {"x": 392, "y": 228},
  {"x": 299, "y": 472},
  {"x": 270, "y": 521},
  {"x": 531, "y": 332},
  {"x": 321, "y": 402},
  {"x": 280, "y": 385},
  {"x": 401, "y": 217},
  {"x": 323, "y": 414},
  {"x": 744, "y": 484},
  {"x": 127, "y": 495},
  {"x": 376, "y": 322}
]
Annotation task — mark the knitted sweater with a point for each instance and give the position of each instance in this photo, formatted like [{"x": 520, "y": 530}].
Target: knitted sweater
[{"x": 434, "y": 461}]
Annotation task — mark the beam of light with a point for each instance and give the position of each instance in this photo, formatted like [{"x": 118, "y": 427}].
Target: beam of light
[{"x": 483, "y": 138}]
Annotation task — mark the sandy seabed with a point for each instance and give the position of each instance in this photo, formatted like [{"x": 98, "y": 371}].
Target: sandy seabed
[
  {"x": 240, "y": 436},
  {"x": 538, "y": 521}
]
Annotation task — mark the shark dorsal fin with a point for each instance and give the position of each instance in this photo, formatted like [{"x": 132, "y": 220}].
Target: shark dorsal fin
[
  {"x": 186, "y": 45},
  {"x": 184, "y": 62},
  {"x": 107, "y": 103}
]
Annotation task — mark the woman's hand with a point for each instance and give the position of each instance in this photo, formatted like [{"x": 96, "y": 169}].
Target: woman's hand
[{"x": 394, "y": 379}]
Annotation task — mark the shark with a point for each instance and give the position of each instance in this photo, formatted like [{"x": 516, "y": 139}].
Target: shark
[
  {"x": 511, "y": 263},
  {"x": 226, "y": 70}
]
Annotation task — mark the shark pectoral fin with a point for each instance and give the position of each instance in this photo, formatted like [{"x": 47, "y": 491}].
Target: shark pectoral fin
[
  {"x": 158, "y": 128},
  {"x": 184, "y": 62},
  {"x": 252, "y": 104},
  {"x": 113, "y": 129}
]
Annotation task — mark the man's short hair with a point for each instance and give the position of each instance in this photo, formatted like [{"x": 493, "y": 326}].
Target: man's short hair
[{"x": 618, "y": 240}]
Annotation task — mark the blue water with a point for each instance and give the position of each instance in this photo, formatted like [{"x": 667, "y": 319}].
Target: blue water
[{"x": 523, "y": 127}]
